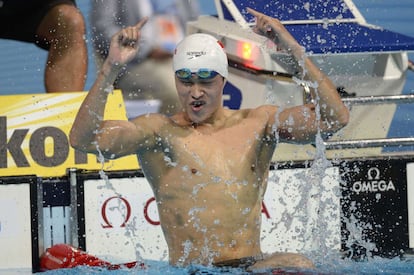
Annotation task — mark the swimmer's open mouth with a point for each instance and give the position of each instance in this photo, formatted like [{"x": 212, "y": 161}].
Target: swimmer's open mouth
[{"x": 197, "y": 103}]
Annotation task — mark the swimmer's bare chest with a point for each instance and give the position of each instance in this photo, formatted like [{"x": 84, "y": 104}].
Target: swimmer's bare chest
[
  {"x": 228, "y": 154},
  {"x": 222, "y": 152}
]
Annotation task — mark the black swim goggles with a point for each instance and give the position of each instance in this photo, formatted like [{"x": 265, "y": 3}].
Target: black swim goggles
[{"x": 204, "y": 74}]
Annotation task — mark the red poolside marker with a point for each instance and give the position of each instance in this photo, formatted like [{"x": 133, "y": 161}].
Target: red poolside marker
[{"x": 66, "y": 256}]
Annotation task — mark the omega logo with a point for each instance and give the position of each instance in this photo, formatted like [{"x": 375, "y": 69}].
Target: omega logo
[
  {"x": 147, "y": 217},
  {"x": 122, "y": 202},
  {"x": 125, "y": 212},
  {"x": 124, "y": 206},
  {"x": 374, "y": 183},
  {"x": 373, "y": 171}
]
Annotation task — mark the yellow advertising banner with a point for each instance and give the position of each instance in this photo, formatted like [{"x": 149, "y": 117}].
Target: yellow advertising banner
[{"x": 34, "y": 135}]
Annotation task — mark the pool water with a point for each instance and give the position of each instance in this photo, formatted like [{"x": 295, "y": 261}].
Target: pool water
[{"x": 373, "y": 266}]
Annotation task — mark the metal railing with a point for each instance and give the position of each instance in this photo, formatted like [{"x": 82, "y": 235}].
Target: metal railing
[
  {"x": 374, "y": 142},
  {"x": 368, "y": 143},
  {"x": 348, "y": 100},
  {"x": 384, "y": 99}
]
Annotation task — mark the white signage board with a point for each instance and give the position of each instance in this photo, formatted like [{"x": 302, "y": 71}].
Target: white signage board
[
  {"x": 15, "y": 227},
  {"x": 301, "y": 211},
  {"x": 410, "y": 201},
  {"x": 121, "y": 217},
  {"x": 121, "y": 220}
]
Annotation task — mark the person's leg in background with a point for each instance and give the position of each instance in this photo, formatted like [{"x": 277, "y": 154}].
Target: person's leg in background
[{"x": 63, "y": 29}]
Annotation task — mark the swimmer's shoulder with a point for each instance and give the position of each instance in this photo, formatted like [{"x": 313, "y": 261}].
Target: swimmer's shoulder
[
  {"x": 260, "y": 111},
  {"x": 153, "y": 121}
]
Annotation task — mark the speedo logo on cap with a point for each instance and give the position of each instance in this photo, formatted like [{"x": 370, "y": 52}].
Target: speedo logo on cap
[{"x": 194, "y": 54}]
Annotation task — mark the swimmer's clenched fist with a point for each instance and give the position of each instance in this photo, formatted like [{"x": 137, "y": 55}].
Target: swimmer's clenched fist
[
  {"x": 125, "y": 44},
  {"x": 273, "y": 29}
]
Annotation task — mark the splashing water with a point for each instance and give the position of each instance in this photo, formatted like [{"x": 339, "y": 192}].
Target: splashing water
[
  {"x": 132, "y": 230},
  {"x": 313, "y": 205}
]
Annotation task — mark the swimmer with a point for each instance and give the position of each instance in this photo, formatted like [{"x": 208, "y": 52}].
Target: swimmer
[{"x": 208, "y": 165}]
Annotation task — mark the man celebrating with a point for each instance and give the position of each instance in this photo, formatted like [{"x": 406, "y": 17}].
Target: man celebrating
[{"x": 207, "y": 165}]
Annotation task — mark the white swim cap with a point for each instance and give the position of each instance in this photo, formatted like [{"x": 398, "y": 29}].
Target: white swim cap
[{"x": 200, "y": 51}]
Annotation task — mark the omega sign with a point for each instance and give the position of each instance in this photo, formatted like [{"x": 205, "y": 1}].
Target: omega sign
[
  {"x": 373, "y": 183},
  {"x": 125, "y": 212},
  {"x": 126, "y": 206}
]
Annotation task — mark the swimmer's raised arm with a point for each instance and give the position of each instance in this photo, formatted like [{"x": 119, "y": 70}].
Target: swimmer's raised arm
[
  {"x": 301, "y": 123},
  {"x": 114, "y": 138}
]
